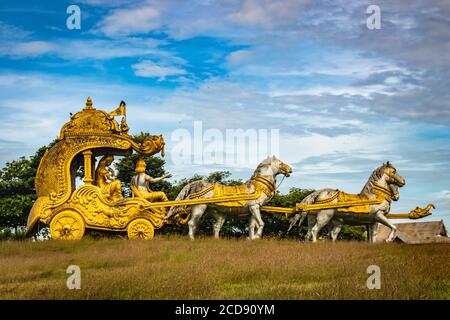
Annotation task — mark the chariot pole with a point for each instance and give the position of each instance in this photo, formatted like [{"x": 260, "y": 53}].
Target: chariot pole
[{"x": 311, "y": 209}]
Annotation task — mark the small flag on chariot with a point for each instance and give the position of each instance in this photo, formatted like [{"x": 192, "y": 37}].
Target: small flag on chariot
[{"x": 120, "y": 111}]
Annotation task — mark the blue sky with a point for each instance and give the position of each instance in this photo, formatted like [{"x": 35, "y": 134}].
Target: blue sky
[{"x": 345, "y": 98}]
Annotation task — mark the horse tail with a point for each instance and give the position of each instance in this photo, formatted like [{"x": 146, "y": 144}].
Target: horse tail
[
  {"x": 190, "y": 188},
  {"x": 300, "y": 216},
  {"x": 309, "y": 199}
]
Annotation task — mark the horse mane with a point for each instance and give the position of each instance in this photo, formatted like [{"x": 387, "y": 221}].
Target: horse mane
[
  {"x": 263, "y": 163},
  {"x": 375, "y": 176}
]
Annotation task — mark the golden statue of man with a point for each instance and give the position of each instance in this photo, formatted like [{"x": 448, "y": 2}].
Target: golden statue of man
[
  {"x": 140, "y": 182},
  {"x": 105, "y": 179}
]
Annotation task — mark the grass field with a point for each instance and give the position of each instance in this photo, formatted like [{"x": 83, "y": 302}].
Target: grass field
[{"x": 176, "y": 268}]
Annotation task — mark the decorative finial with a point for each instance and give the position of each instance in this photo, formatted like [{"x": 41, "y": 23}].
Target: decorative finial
[
  {"x": 121, "y": 110},
  {"x": 89, "y": 104}
]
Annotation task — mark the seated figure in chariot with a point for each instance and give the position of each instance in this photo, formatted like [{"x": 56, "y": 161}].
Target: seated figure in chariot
[
  {"x": 140, "y": 184},
  {"x": 105, "y": 179}
]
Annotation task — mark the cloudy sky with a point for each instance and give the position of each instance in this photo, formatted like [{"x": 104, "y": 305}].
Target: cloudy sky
[{"x": 344, "y": 98}]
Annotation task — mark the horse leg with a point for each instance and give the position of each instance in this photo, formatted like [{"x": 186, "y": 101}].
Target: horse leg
[
  {"x": 303, "y": 216},
  {"x": 369, "y": 233},
  {"x": 252, "y": 227},
  {"x": 293, "y": 221},
  {"x": 220, "y": 219},
  {"x": 336, "y": 228},
  {"x": 329, "y": 228},
  {"x": 322, "y": 219},
  {"x": 197, "y": 213},
  {"x": 257, "y": 215},
  {"x": 374, "y": 232},
  {"x": 311, "y": 223},
  {"x": 299, "y": 216},
  {"x": 381, "y": 218}
]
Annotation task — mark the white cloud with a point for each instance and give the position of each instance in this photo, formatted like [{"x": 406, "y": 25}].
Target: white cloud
[
  {"x": 142, "y": 19},
  {"x": 239, "y": 57},
  {"x": 28, "y": 49},
  {"x": 268, "y": 13},
  {"x": 184, "y": 19},
  {"x": 39, "y": 104},
  {"x": 108, "y": 3},
  {"x": 86, "y": 49},
  {"x": 8, "y": 31},
  {"x": 296, "y": 148},
  {"x": 150, "y": 69},
  {"x": 443, "y": 195}
]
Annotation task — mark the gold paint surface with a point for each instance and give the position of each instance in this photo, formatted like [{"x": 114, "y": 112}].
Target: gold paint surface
[{"x": 88, "y": 134}]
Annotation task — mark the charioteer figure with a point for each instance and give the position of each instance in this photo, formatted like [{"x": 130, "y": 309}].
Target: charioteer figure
[
  {"x": 140, "y": 184},
  {"x": 105, "y": 178}
]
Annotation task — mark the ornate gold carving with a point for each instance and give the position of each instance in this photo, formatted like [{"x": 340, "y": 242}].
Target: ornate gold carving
[
  {"x": 416, "y": 213},
  {"x": 87, "y": 167},
  {"x": 99, "y": 211},
  {"x": 221, "y": 190},
  {"x": 264, "y": 185},
  {"x": 89, "y": 121},
  {"x": 105, "y": 179},
  {"x": 140, "y": 229},
  {"x": 67, "y": 225},
  {"x": 88, "y": 131},
  {"x": 121, "y": 110},
  {"x": 89, "y": 104}
]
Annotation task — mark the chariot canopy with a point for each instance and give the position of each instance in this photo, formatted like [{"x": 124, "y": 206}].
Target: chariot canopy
[{"x": 88, "y": 134}]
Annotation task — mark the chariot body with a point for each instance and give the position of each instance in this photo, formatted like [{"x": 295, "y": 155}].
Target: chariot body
[{"x": 69, "y": 210}]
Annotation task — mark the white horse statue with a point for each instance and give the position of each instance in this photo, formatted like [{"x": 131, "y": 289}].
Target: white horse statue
[
  {"x": 383, "y": 185},
  {"x": 263, "y": 180}
]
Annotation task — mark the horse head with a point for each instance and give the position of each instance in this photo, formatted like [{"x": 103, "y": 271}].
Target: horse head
[
  {"x": 273, "y": 165},
  {"x": 387, "y": 177},
  {"x": 392, "y": 176},
  {"x": 281, "y": 167}
]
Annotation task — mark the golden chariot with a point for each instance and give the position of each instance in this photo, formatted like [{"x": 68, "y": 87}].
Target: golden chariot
[{"x": 68, "y": 210}]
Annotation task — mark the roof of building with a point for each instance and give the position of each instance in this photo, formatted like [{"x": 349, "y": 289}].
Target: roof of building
[{"x": 416, "y": 232}]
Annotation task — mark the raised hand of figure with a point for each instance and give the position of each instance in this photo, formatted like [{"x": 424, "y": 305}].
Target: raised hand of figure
[
  {"x": 167, "y": 175},
  {"x": 111, "y": 172}
]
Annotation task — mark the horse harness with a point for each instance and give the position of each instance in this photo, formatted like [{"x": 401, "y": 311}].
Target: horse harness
[
  {"x": 381, "y": 193},
  {"x": 260, "y": 183}
]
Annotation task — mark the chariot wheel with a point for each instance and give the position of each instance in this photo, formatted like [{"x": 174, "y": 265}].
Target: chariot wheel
[
  {"x": 140, "y": 229},
  {"x": 67, "y": 225}
]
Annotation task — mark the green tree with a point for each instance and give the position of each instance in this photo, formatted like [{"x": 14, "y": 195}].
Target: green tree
[
  {"x": 276, "y": 225},
  {"x": 353, "y": 233},
  {"x": 17, "y": 192}
]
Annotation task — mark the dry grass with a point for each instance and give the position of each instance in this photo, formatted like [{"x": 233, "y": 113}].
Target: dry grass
[{"x": 175, "y": 268}]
